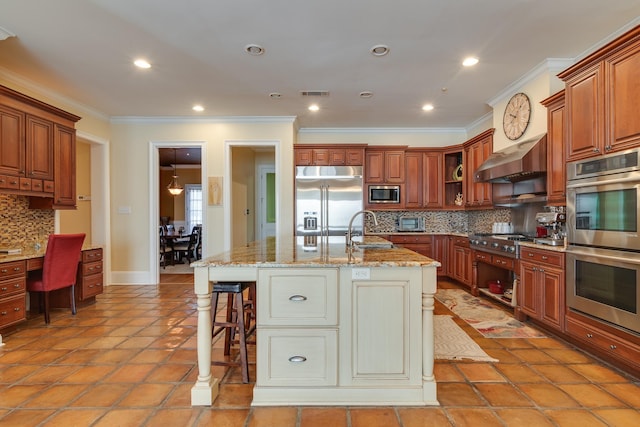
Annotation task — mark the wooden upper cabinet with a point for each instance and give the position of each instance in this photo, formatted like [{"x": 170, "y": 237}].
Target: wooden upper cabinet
[
  {"x": 64, "y": 194},
  {"x": 413, "y": 193},
  {"x": 12, "y": 148},
  {"x": 556, "y": 165},
  {"x": 432, "y": 180},
  {"x": 384, "y": 166},
  {"x": 602, "y": 99},
  {"x": 39, "y": 148},
  {"x": 476, "y": 151},
  {"x": 329, "y": 155}
]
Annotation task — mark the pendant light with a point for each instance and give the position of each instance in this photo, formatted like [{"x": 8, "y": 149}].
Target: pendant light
[{"x": 174, "y": 187}]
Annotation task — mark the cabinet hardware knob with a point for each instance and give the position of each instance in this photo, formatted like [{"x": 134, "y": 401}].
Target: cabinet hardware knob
[
  {"x": 297, "y": 298},
  {"x": 16, "y": 309},
  {"x": 534, "y": 269},
  {"x": 613, "y": 347},
  {"x": 4, "y": 313},
  {"x": 530, "y": 254},
  {"x": 544, "y": 257},
  {"x": 297, "y": 359},
  {"x": 589, "y": 335},
  {"x": 4, "y": 270},
  {"x": 541, "y": 270},
  {"x": 16, "y": 269},
  {"x": 3, "y": 289},
  {"x": 17, "y": 285}
]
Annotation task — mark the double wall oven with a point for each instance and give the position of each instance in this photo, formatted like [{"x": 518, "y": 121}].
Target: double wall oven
[{"x": 603, "y": 255}]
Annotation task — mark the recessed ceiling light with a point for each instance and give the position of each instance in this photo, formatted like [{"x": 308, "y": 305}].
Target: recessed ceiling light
[
  {"x": 141, "y": 63},
  {"x": 379, "y": 50},
  {"x": 427, "y": 107},
  {"x": 470, "y": 61},
  {"x": 198, "y": 108},
  {"x": 254, "y": 49},
  {"x": 314, "y": 107},
  {"x": 275, "y": 95},
  {"x": 366, "y": 94}
]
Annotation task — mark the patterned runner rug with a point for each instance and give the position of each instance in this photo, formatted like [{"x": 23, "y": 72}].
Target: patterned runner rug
[
  {"x": 484, "y": 317},
  {"x": 452, "y": 343}
]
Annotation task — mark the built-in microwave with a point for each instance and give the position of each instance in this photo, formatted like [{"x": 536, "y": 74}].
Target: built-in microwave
[{"x": 384, "y": 194}]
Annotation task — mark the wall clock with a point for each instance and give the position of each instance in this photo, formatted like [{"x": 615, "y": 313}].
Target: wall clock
[{"x": 516, "y": 116}]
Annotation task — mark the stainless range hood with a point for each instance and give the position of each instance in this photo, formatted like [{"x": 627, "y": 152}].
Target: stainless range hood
[{"x": 523, "y": 161}]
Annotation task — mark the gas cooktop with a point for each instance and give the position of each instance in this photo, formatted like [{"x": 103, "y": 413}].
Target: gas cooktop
[{"x": 503, "y": 244}]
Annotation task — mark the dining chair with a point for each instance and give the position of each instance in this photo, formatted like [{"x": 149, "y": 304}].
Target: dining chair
[
  {"x": 188, "y": 249},
  {"x": 59, "y": 270},
  {"x": 166, "y": 251}
]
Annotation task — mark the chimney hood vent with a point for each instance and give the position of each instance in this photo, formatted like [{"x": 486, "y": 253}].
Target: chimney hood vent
[{"x": 523, "y": 161}]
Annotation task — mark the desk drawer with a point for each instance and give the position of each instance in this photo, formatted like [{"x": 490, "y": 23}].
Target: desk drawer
[
  {"x": 92, "y": 255},
  {"x": 298, "y": 357},
  {"x": 89, "y": 268},
  {"x": 13, "y": 286},
  {"x": 298, "y": 297},
  {"x": 91, "y": 286},
  {"x": 14, "y": 268},
  {"x": 12, "y": 310}
]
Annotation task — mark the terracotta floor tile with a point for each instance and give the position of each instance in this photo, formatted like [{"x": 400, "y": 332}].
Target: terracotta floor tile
[
  {"x": 74, "y": 343},
  {"x": 113, "y": 356},
  {"x": 124, "y": 418},
  {"x": 223, "y": 417},
  {"x": 25, "y": 417},
  {"x": 322, "y": 417},
  {"x": 532, "y": 356},
  {"x": 80, "y": 357},
  {"x": 423, "y": 417},
  {"x": 234, "y": 395},
  {"x": 124, "y": 331},
  {"x": 560, "y": 374},
  {"x": 174, "y": 417},
  {"x": 619, "y": 417},
  {"x": 136, "y": 342},
  {"x": 524, "y": 417},
  {"x": 273, "y": 416},
  {"x": 374, "y": 417},
  {"x": 17, "y": 356},
  {"x": 574, "y": 418},
  {"x": 548, "y": 342},
  {"x": 151, "y": 356},
  {"x": 89, "y": 374},
  {"x": 75, "y": 417},
  {"x": 17, "y": 373},
  {"x": 180, "y": 396},
  {"x": 480, "y": 372},
  {"x": 598, "y": 373},
  {"x": 146, "y": 395},
  {"x": 591, "y": 396},
  {"x": 169, "y": 373},
  {"x": 520, "y": 373},
  {"x": 446, "y": 372},
  {"x": 627, "y": 392},
  {"x": 471, "y": 417},
  {"x": 569, "y": 356},
  {"x": 515, "y": 343},
  {"x": 130, "y": 374},
  {"x": 504, "y": 356},
  {"x": 50, "y": 374},
  {"x": 102, "y": 395},
  {"x": 457, "y": 394},
  {"x": 548, "y": 395},
  {"x": 15, "y": 396},
  {"x": 503, "y": 395},
  {"x": 48, "y": 356},
  {"x": 57, "y": 396}
]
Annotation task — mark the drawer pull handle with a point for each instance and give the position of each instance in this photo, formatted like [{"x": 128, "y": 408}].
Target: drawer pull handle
[
  {"x": 297, "y": 359},
  {"x": 530, "y": 254},
  {"x": 297, "y": 298},
  {"x": 16, "y": 309},
  {"x": 4, "y": 313},
  {"x": 4, "y": 288},
  {"x": 612, "y": 347},
  {"x": 545, "y": 257},
  {"x": 17, "y": 285},
  {"x": 589, "y": 335},
  {"x": 4, "y": 270}
]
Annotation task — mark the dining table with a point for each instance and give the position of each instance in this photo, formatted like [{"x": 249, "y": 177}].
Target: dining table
[{"x": 173, "y": 237}]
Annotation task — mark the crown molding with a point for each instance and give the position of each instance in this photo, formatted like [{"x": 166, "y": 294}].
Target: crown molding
[
  {"x": 383, "y": 130},
  {"x": 5, "y": 34},
  {"x": 203, "y": 119}
]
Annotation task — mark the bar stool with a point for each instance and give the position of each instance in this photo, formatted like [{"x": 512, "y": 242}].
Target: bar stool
[{"x": 238, "y": 320}]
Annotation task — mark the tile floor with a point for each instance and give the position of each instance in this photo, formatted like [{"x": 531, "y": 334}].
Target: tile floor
[{"x": 129, "y": 360}]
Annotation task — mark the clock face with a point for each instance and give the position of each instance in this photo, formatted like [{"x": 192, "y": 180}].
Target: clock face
[{"x": 516, "y": 116}]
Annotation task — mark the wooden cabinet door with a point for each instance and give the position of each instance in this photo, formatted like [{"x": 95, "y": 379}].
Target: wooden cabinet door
[
  {"x": 552, "y": 286},
  {"x": 304, "y": 156},
  {"x": 12, "y": 149},
  {"x": 394, "y": 167},
  {"x": 441, "y": 252},
  {"x": 354, "y": 156},
  {"x": 556, "y": 165},
  {"x": 413, "y": 187},
  {"x": 320, "y": 157},
  {"x": 432, "y": 181},
  {"x": 478, "y": 193},
  {"x": 527, "y": 293},
  {"x": 585, "y": 115},
  {"x": 622, "y": 102},
  {"x": 39, "y": 148},
  {"x": 337, "y": 157},
  {"x": 64, "y": 194},
  {"x": 374, "y": 167}
]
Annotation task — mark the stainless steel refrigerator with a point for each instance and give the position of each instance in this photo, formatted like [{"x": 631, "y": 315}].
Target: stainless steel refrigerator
[{"x": 326, "y": 199}]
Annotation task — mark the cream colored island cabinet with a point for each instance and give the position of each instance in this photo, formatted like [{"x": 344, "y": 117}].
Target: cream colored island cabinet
[{"x": 334, "y": 327}]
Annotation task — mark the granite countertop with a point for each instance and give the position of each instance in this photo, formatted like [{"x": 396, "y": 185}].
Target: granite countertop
[
  {"x": 30, "y": 253},
  {"x": 326, "y": 252}
]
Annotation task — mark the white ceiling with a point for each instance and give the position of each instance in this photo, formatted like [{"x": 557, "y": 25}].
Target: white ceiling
[{"x": 83, "y": 50}]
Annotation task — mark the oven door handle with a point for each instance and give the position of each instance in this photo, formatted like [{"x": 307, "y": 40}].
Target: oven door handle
[
  {"x": 603, "y": 181},
  {"x": 604, "y": 254}
]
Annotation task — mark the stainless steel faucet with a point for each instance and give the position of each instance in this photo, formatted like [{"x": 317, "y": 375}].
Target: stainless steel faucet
[{"x": 350, "y": 231}]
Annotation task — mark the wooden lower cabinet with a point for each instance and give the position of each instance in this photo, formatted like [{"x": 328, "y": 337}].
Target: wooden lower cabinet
[
  {"x": 90, "y": 276},
  {"x": 440, "y": 248},
  {"x": 417, "y": 243},
  {"x": 460, "y": 262},
  {"x": 13, "y": 279}
]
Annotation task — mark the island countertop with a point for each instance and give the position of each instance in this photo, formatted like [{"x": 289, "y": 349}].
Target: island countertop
[{"x": 326, "y": 252}]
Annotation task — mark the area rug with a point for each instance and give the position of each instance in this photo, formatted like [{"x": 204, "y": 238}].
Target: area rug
[
  {"x": 490, "y": 321},
  {"x": 452, "y": 343}
]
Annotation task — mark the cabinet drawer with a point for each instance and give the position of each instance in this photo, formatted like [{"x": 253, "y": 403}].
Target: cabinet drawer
[
  {"x": 25, "y": 184},
  {"x": 89, "y": 268},
  {"x": 399, "y": 238},
  {"x": 612, "y": 345},
  {"x": 12, "y": 310},
  {"x": 47, "y": 186},
  {"x": 298, "y": 297},
  {"x": 547, "y": 257},
  {"x": 13, "y": 286},
  {"x": 91, "y": 286},
  {"x": 92, "y": 255},
  {"x": 10, "y": 269},
  {"x": 12, "y": 183},
  {"x": 503, "y": 262},
  {"x": 297, "y": 357}
]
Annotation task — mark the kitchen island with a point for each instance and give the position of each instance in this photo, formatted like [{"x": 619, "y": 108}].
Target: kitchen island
[{"x": 334, "y": 326}]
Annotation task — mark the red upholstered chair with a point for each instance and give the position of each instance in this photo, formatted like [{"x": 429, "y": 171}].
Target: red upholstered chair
[{"x": 59, "y": 270}]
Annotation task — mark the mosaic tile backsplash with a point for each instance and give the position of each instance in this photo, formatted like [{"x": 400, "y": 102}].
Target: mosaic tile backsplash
[
  {"x": 21, "y": 227},
  {"x": 442, "y": 221}
]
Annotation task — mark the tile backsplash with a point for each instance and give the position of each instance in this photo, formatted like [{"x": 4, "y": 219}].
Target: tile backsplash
[
  {"x": 442, "y": 221},
  {"x": 21, "y": 227}
]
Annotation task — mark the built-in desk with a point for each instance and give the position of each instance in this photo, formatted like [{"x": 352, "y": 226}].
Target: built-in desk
[{"x": 14, "y": 270}]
